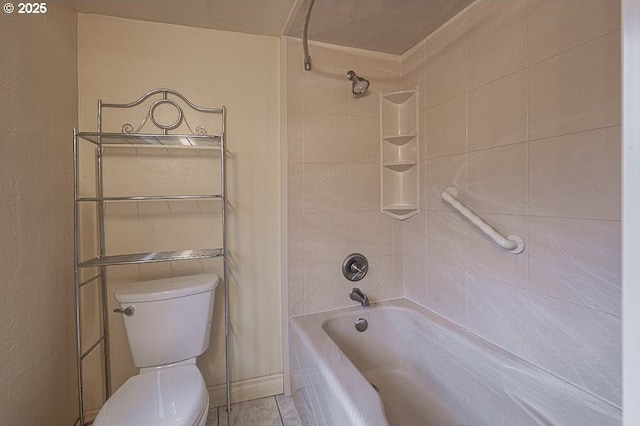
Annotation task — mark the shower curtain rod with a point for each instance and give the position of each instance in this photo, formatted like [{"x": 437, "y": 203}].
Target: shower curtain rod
[{"x": 305, "y": 40}]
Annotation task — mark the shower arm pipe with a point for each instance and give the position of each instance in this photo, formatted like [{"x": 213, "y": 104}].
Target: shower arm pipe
[
  {"x": 513, "y": 243},
  {"x": 305, "y": 41}
]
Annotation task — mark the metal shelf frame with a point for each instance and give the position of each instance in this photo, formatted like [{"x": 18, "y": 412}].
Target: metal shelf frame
[
  {"x": 136, "y": 137},
  {"x": 153, "y": 198},
  {"x": 151, "y": 257},
  {"x": 191, "y": 141}
]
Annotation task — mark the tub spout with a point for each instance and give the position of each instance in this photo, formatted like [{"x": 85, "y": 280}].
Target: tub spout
[{"x": 359, "y": 297}]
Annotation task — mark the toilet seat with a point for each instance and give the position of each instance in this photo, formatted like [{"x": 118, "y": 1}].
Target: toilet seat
[{"x": 172, "y": 396}]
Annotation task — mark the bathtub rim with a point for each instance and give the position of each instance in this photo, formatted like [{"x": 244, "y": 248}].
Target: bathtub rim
[{"x": 402, "y": 304}]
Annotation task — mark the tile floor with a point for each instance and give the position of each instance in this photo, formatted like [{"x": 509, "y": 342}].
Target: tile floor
[{"x": 276, "y": 410}]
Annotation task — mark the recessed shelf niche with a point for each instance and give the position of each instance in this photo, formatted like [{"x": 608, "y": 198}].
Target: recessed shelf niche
[{"x": 399, "y": 156}]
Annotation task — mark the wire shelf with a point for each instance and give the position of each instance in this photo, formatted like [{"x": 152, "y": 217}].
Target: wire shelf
[
  {"x": 154, "y": 198},
  {"x": 151, "y": 257},
  {"x": 204, "y": 141},
  {"x": 148, "y": 130}
]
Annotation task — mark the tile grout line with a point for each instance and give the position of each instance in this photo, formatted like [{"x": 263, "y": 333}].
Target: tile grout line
[{"x": 279, "y": 412}]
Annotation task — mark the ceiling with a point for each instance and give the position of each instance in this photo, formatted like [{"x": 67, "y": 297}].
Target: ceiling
[
  {"x": 263, "y": 17},
  {"x": 390, "y": 26}
]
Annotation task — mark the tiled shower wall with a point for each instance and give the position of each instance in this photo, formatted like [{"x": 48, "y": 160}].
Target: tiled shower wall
[
  {"x": 521, "y": 113},
  {"x": 333, "y": 165}
]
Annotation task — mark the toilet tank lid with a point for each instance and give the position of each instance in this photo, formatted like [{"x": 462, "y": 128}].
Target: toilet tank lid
[{"x": 167, "y": 288}]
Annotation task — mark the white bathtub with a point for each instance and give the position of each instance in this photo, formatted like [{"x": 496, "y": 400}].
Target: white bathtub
[{"x": 427, "y": 372}]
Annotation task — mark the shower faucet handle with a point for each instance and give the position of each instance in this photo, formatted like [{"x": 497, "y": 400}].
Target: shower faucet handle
[
  {"x": 355, "y": 267},
  {"x": 359, "y": 270}
]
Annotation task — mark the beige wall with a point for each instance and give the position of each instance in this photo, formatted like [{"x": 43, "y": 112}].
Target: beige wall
[
  {"x": 38, "y": 110},
  {"x": 521, "y": 114},
  {"x": 118, "y": 60},
  {"x": 333, "y": 153}
]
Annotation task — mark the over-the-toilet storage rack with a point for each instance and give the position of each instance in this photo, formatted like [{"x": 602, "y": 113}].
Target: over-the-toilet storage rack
[{"x": 133, "y": 137}]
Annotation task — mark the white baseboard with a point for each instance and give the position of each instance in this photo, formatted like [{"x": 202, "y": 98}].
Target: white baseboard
[{"x": 246, "y": 390}]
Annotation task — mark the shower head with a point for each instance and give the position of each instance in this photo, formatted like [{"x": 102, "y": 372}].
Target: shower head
[{"x": 359, "y": 85}]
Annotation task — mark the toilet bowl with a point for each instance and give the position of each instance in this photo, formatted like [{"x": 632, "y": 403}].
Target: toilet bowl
[
  {"x": 167, "y": 326},
  {"x": 174, "y": 396}
]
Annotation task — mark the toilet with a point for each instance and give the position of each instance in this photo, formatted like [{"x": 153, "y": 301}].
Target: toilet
[{"x": 168, "y": 324}]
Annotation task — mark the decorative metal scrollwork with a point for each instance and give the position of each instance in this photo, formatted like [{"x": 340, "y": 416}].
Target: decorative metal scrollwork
[
  {"x": 159, "y": 125},
  {"x": 127, "y": 128},
  {"x": 156, "y": 119}
]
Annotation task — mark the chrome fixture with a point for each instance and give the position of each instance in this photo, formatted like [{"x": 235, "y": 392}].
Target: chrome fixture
[
  {"x": 150, "y": 129},
  {"x": 128, "y": 311},
  {"x": 355, "y": 267},
  {"x": 361, "y": 325},
  {"x": 305, "y": 42},
  {"x": 359, "y": 85},
  {"x": 358, "y": 296}
]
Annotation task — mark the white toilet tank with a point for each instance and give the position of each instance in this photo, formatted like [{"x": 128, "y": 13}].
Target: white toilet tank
[{"x": 171, "y": 319}]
